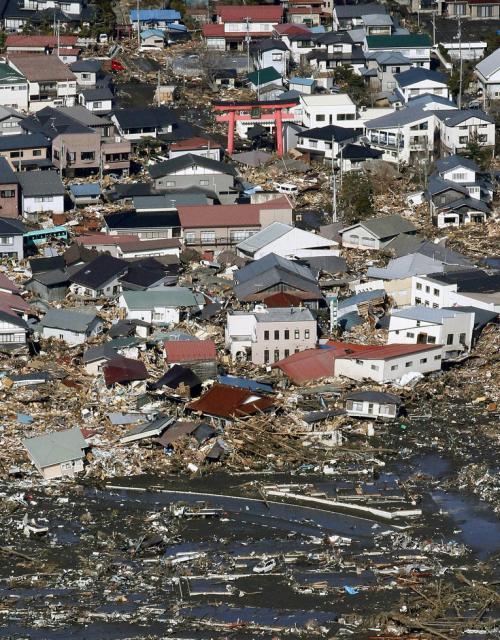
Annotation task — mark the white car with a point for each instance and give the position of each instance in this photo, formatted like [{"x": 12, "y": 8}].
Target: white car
[
  {"x": 266, "y": 566},
  {"x": 287, "y": 188}
]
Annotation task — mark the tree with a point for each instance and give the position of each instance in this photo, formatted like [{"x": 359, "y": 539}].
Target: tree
[
  {"x": 356, "y": 197},
  {"x": 354, "y": 84},
  {"x": 477, "y": 152}
]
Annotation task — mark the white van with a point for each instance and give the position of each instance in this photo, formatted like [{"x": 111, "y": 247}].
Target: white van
[{"x": 287, "y": 188}]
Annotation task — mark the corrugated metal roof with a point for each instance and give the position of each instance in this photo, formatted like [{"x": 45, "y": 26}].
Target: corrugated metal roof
[
  {"x": 57, "y": 447},
  {"x": 171, "y": 297},
  {"x": 229, "y": 402},
  {"x": 81, "y": 190},
  {"x": 124, "y": 370},
  {"x": 189, "y": 350},
  {"x": 426, "y": 314}
]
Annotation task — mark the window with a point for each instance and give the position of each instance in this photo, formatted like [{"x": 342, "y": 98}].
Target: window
[
  {"x": 435, "y": 292},
  {"x": 16, "y": 154},
  {"x": 266, "y": 335},
  {"x": 397, "y": 332},
  {"x": 419, "y": 286},
  {"x": 276, "y": 355},
  {"x": 204, "y": 183},
  {"x": 169, "y": 183},
  {"x": 7, "y": 193},
  {"x": 427, "y": 289},
  {"x": 418, "y": 300},
  {"x": 431, "y": 339},
  {"x": 71, "y": 156},
  {"x": 307, "y": 334},
  {"x": 56, "y": 154},
  {"x": 409, "y": 334},
  {"x": 356, "y": 405},
  {"x": 313, "y": 144},
  {"x": 423, "y": 360},
  {"x": 44, "y": 199},
  {"x": 374, "y": 367},
  {"x": 157, "y": 316},
  {"x": 238, "y": 235},
  {"x": 276, "y": 335},
  {"x": 287, "y": 353},
  {"x": 207, "y": 237},
  {"x": 97, "y": 105},
  {"x": 6, "y": 240},
  {"x": 320, "y": 117},
  {"x": 462, "y": 338},
  {"x": 394, "y": 367},
  {"x": 463, "y": 139},
  {"x": 449, "y": 338},
  {"x": 190, "y": 237},
  {"x": 37, "y": 153},
  {"x": 296, "y": 333},
  {"x": 409, "y": 363},
  {"x": 266, "y": 356},
  {"x": 87, "y": 155},
  {"x": 287, "y": 334},
  {"x": 437, "y": 357},
  {"x": 485, "y": 12},
  {"x": 277, "y": 57}
]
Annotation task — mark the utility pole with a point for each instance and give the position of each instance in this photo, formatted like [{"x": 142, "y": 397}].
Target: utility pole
[
  {"x": 433, "y": 28},
  {"x": 247, "y": 40},
  {"x": 158, "y": 89},
  {"x": 138, "y": 27},
  {"x": 461, "y": 62},
  {"x": 334, "y": 190}
]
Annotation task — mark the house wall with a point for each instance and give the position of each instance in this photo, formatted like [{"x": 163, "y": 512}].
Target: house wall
[
  {"x": 360, "y": 238},
  {"x": 488, "y": 302},
  {"x": 295, "y": 241},
  {"x": 430, "y": 294},
  {"x": 12, "y": 246},
  {"x": 11, "y": 333},
  {"x": 491, "y": 85},
  {"x": 323, "y": 114},
  {"x": 42, "y": 204},
  {"x": 158, "y": 315},
  {"x": 110, "y": 290},
  {"x": 9, "y": 200},
  {"x": 62, "y": 470},
  {"x": 97, "y": 106},
  {"x": 273, "y": 58},
  {"x": 71, "y": 337},
  {"x": 460, "y": 174},
  {"x": 14, "y": 95},
  {"x": 71, "y": 150},
  {"x": 60, "y": 93},
  {"x": 426, "y": 86},
  {"x": 212, "y": 237},
  {"x": 386, "y": 370},
  {"x": 399, "y": 290},
  {"x": 14, "y": 156},
  {"x": 455, "y": 139},
  {"x": 50, "y": 294},
  {"x": 458, "y": 329},
  {"x": 280, "y": 347},
  {"x": 85, "y": 78},
  {"x": 11, "y": 126},
  {"x": 365, "y": 409}
]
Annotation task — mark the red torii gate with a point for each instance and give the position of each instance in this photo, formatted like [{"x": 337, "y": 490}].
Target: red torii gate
[{"x": 270, "y": 110}]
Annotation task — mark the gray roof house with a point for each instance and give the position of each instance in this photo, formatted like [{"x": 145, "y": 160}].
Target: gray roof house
[
  {"x": 376, "y": 233},
  {"x": 41, "y": 191},
  {"x": 189, "y": 170},
  {"x": 99, "y": 278},
  {"x": 74, "y": 327},
  {"x": 11, "y": 238},
  {"x": 58, "y": 454}
]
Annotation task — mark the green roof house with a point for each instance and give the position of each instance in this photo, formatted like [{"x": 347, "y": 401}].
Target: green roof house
[
  {"x": 414, "y": 46},
  {"x": 59, "y": 454},
  {"x": 263, "y": 77}
]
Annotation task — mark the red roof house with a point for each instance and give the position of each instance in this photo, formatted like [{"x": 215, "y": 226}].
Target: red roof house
[
  {"x": 198, "y": 355},
  {"x": 236, "y": 22},
  {"x": 226, "y": 402}
]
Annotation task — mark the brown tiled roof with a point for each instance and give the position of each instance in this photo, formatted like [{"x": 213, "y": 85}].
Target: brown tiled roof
[
  {"x": 15, "y": 40},
  {"x": 42, "y": 68}
]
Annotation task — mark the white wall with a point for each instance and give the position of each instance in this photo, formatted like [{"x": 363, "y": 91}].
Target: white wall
[
  {"x": 54, "y": 204},
  {"x": 14, "y": 95},
  {"x": 387, "y": 370}
]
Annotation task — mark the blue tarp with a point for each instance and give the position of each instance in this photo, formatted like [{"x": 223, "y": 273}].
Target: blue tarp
[
  {"x": 155, "y": 15},
  {"x": 85, "y": 190}
]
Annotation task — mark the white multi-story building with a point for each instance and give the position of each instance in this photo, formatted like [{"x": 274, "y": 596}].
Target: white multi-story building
[
  {"x": 264, "y": 335},
  {"x": 13, "y": 88},
  {"x": 423, "y": 325},
  {"x": 488, "y": 75},
  {"x": 320, "y": 110}
]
